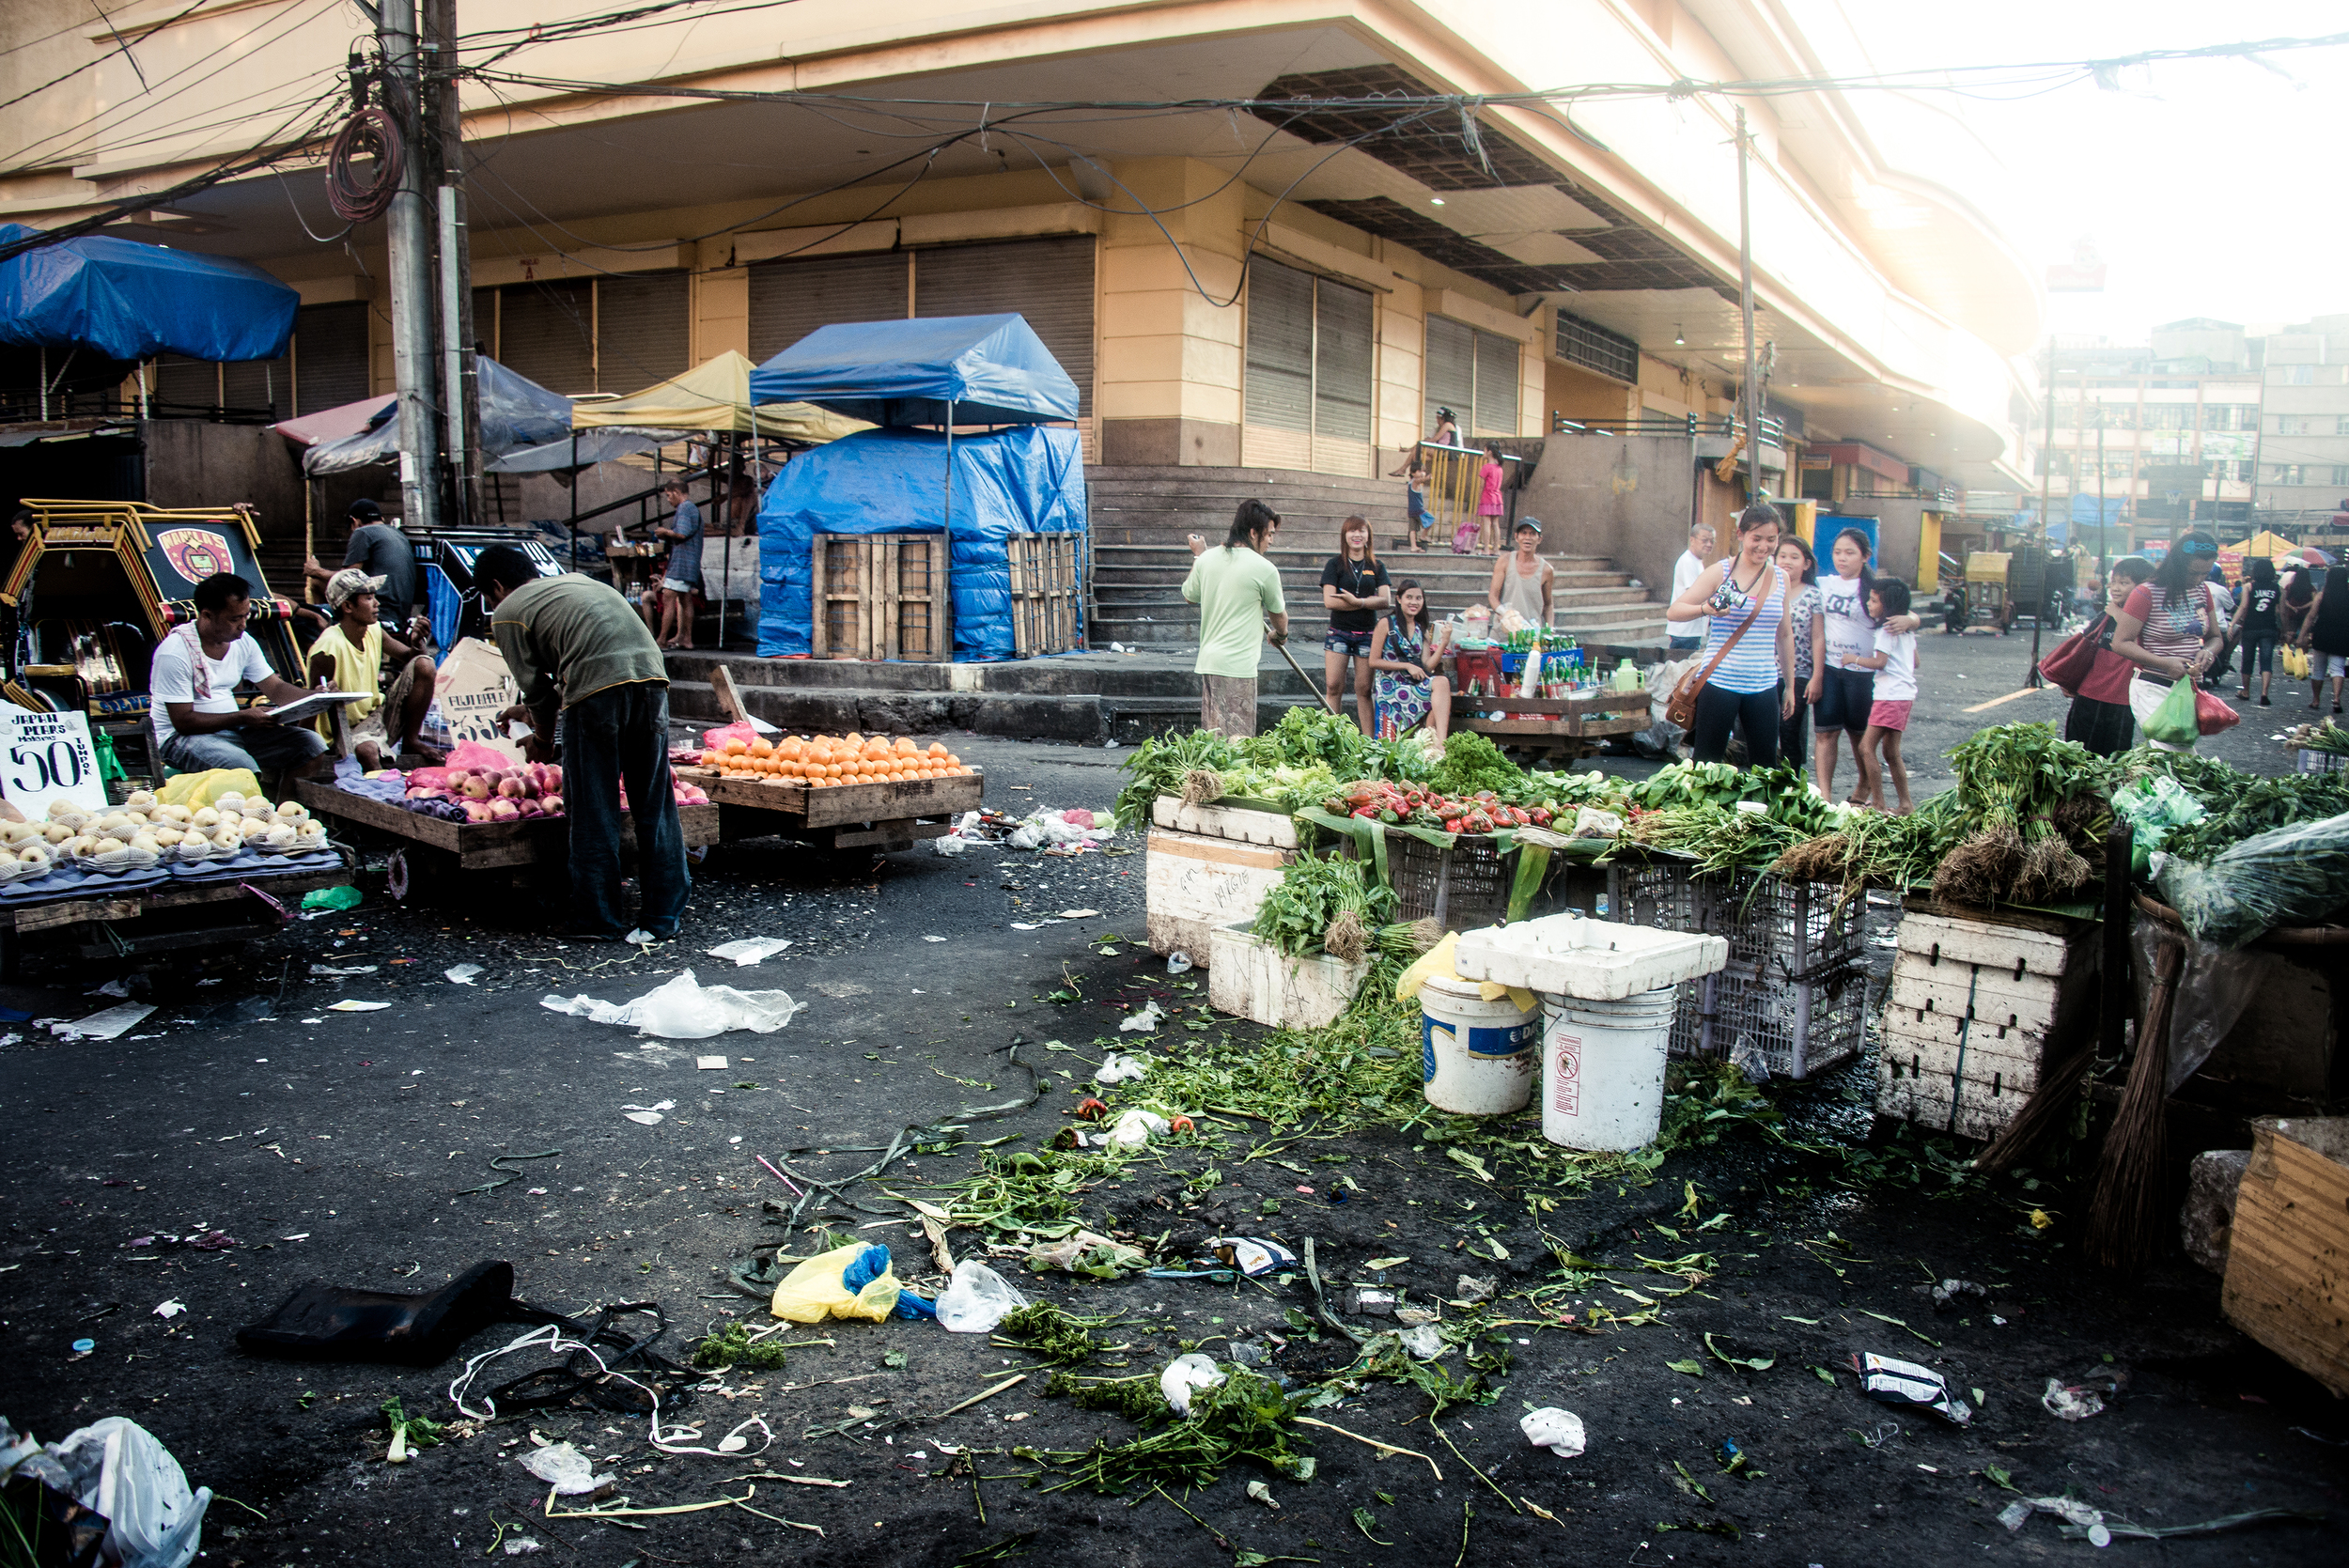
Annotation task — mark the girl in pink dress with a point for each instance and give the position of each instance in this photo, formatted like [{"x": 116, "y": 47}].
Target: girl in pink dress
[{"x": 1482, "y": 535}]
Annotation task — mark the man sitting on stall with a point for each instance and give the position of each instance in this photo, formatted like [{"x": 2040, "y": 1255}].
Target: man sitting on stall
[
  {"x": 574, "y": 645},
  {"x": 349, "y": 656},
  {"x": 192, "y": 689}
]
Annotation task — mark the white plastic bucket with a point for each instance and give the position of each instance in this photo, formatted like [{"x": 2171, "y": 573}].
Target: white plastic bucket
[
  {"x": 1603, "y": 1064},
  {"x": 1476, "y": 1057}
]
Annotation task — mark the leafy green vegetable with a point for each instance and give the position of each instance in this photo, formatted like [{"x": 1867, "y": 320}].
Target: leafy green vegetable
[
  {"x": 1246, "y": 1417},
  {"x": 1300, "y": 909},
  {"x": 1472, "y": 763}
]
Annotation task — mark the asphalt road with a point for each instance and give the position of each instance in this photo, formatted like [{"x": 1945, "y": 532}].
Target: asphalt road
[{"x": 340, "y": 1145}]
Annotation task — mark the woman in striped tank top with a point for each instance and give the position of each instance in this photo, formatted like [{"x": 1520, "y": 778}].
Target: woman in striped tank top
[{"x": 1750, "y": 684}]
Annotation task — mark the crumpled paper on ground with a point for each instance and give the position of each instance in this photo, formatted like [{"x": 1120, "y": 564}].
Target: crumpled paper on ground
[
  {"x": 564, "y": 1468},
  {"x": 1559, "y": 1431},
  {"x": 1186, "y": 1375},
  {"x": 681, "y": 1008}
]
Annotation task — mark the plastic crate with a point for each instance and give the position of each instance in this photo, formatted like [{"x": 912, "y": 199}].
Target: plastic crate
[
  {"x": 1462, "y": 888},
  {"x": 1796, "y": 984},
  {"x": 2315, "y": 761}
]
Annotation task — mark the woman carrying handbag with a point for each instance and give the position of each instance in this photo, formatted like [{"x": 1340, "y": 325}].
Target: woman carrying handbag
[
  {"x": 1743, "y": 678},
  {"x": 2097, "y": 678}
]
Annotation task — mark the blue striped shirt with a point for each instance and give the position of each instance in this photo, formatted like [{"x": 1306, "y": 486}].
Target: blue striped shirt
[{"x": 1753, "y": 664}]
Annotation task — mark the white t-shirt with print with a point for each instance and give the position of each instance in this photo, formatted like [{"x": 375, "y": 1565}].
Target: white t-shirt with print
[
  {"x": 1897, "y": 681},
  {"x": 1850, "y": 634},
  {"x": 172, "y": 678}
]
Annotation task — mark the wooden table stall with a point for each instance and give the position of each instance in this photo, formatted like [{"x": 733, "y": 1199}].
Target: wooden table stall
[
  {"x": 484, "y": 845},
  {"x": 1569, "y": 727},
  {"x": 885, "y": 817},
  {"x": 184, "y": 916}
]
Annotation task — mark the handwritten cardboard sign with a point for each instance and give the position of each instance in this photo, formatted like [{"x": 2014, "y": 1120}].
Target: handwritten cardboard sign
[
  {"x": 45, "y": 757},
  {"x": 471, "y": 689}
]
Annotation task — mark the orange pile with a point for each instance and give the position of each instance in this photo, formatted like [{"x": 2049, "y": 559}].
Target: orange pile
[{"x": 824, "y": 762}]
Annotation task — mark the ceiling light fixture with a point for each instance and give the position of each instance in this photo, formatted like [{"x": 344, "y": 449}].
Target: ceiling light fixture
[
  {"x": 1435, "y": 201},
  {"x": 1679, "y": 341}
]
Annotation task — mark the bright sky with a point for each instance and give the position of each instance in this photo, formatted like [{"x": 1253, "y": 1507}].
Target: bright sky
[{"x": 2212, "y": 187}]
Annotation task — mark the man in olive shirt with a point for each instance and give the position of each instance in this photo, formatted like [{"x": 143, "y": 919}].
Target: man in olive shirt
[
  {"x": 573, "y": 640},
  {"x": 1237, "y": 591}
]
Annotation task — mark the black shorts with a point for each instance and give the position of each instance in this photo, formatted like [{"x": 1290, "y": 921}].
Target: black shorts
[{"x": 1844, "y": 698}]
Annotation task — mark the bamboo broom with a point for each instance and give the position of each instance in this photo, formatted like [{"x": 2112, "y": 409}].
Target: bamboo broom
[{"x": 2125, "y": 1218}]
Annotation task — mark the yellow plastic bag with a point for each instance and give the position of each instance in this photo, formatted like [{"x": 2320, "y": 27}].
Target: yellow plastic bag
[
  {"x": 2295, "y": 663},
  {"x": 1437, "y": 961},
  {"x": 815, "y": 1291},
  {"x": 205, "y": 788}
]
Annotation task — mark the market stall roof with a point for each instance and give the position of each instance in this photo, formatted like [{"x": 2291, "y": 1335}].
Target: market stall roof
[
  {"x": 516, "y": 412},
  {"x": 343, "y": 419},
  {"x": 130, "y": 301},
  {"x": 2266, "y": 542},
  {"x": 927, "y": 370},
  {"x": 715, "y": 395}
]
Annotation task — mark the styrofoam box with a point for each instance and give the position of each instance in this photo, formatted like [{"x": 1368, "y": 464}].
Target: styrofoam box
[
  {"x": 1242, "y": 823},
  {"x": 1195, "y": 883},
  {"x": 1597, "y": 960}
]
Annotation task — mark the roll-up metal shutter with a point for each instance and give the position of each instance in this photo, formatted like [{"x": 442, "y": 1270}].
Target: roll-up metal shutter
[
  {"x": 255, "y": 383},
  {"x": 1048, "y": 281},
  {"x": 1451, "y": 370},
  {"x": 192, "y": 382},
  {"x": 485, "y": 321},
  {"x": 791, "y": 298},
  {"x": 1342, "y": 362},
  {"x": 642, "y": 330},
  {"x": 1496, "y": 385},
  {"x": 329, "y": 357},
  {"x": 1280, "y": 347},
  {"x": 547, "y": 333}
]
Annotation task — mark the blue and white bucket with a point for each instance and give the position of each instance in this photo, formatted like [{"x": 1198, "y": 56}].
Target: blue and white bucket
[{"x": 1477, "y": 1058}]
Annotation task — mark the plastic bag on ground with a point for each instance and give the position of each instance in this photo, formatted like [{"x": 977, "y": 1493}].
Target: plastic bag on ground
[
  {"x": 120, "y": 1470},
  {"x": 976, "y": 1299},
  {"x": 848, "y": 1282},
  {"x": 1116, "y": 1068},
  {"x": 1145, "y": 1022},
  {"x": 1137, "y": 1127},
  {"x": 1891, "y": 1381},
  {"x": 564, "y": 1468},
  {"x": 1559, "y": 1431},
  {"x": 2293, "y": 875},
  {"x": 681, "y": 1008},
  {"x": 1186, "y": 1375},
  {"x": 750, "y": 950},
  {"x": 1087, "y": 1252}
]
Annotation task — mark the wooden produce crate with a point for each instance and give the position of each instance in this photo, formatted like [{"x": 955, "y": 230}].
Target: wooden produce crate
[
  {"x": 881, "y": 595},
  {"x": 1047, "y": 593},
  {"x": 1976, "y": 1011},
  {"x": 888, "y": 815},
  {"x": 1209, "y": 866},
  {"x": 1570, "y": 726},
  {"x": 2286, "y": 1285},
  {"x": 485, "y": 846},
  {"x": 182, "y": 925},
  {"x": 1251, "y": 979}
]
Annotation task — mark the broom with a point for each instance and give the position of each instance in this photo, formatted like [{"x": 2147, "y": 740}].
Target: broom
[{"x": 2125, "y": 1219}]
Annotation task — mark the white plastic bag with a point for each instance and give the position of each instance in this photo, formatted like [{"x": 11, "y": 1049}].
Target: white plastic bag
[
  {"x": 682, "y": 1008},
  {"x": 1118, "y": 1068},
  {"x": 120, "y": 1470},
  {"x": 1186, "y": 1375},
  {"x": 1137, "y": 1127},
  {"x": 1145, "y": 1022},
  {"x": 750, "y": 950},
  {"x": 564, "y": 1468},
  {"x": 1559, "y": 1431},
  {"x": 976, "y": 1299}
]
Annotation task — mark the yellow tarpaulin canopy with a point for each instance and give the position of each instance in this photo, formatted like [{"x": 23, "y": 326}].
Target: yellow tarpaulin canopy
[
  {"x": 714, "y": 395},
  {"x": 2265, "y": 543}
]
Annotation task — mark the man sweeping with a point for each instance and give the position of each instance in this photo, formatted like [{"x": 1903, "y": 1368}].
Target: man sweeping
[
  {"x": 1238, "y": 590},
  {"x": 574, "y": 645}
]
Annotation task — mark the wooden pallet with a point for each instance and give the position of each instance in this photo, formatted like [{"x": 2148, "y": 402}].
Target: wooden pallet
[
  {"x": 75, "y": 911},
  {"x": 486, "y": 845},
  {"x": 1047, "y": 586},
  {"x": 2284, "y": 1284},
  {"x": 880, "y": 595},
  {"x": 1575, "y": 725}
]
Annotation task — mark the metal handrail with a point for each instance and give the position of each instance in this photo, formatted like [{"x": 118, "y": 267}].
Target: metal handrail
[
  {"x": 1691, "y": 426},
  {"x": 25, "y": 411}
]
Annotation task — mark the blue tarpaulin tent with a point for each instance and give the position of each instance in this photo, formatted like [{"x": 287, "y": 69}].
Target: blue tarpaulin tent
[
  {"x": 947, "y": 371},
  {"x": 1029, "y": 480},
  {"x": 516, "y": 412},
  {"x": 929, "y": 370},
  {"x": 130, "y": 301}
]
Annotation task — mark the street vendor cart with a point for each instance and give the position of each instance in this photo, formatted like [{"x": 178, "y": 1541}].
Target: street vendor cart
[
  {"x": 884, "y": 816},
  {"x": 161, "y": 910}
]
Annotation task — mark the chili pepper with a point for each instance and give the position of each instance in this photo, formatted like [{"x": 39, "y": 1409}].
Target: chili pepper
[{"x": 1091, "y": 1110}]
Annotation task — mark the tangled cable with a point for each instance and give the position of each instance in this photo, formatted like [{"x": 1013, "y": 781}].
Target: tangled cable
[{"x": 369, "y": 132}]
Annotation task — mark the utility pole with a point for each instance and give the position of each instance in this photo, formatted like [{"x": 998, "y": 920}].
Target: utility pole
[
  {"x": 410, "y": 242},
  {"x": 2046, "y": 471},
  {"x": 1752, "y": 398},
  {"x": 460, "y": 384}
]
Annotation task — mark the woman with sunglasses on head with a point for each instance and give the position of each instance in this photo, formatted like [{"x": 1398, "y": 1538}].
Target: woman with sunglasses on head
[{"x": 2171, "y": 628}]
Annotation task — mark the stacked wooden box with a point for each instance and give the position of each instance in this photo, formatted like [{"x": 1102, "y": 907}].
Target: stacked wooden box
[
  {"x": 1974, "y": 1013},
  {"x": 1210, "y": 867}
]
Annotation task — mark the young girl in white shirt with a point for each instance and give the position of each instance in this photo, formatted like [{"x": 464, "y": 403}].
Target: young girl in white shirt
[{"x": 1894, "y": 664}]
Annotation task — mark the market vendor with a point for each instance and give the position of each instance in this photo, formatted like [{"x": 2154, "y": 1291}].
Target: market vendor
[
  {"x": 192, "y": 692},
  {"x": 1522, "y": 581},
  {"x": 350, "y": 657},
  {"x": 1238, "y": 590},
  {"x": 573, "y": 644}
]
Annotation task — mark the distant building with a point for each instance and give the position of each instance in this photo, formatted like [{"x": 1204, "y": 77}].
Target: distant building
[
  {"x": 2303, "y": 423},
  {"x": 2174, "y": 422}
]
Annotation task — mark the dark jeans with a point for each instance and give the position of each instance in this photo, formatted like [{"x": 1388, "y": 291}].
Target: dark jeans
[
  {"x": 1752, "y": 714},
  {"x": 1794, "y": 734},
  {"x": 622, "y": 733}
]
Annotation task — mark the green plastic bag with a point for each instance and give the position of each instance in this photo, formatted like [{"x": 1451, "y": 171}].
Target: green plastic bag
[
  {"x": 2152, "y": 806},
  {"x": 2174, "y": 722}
]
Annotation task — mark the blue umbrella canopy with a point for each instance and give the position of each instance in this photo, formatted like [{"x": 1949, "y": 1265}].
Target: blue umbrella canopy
[{"x": 130, "y": 301}]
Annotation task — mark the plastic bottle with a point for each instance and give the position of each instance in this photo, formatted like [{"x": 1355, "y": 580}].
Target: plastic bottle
[{"x": 1626, "y": 677}]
